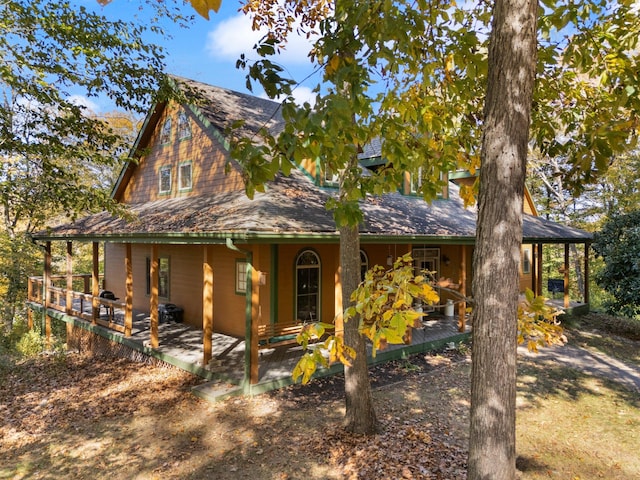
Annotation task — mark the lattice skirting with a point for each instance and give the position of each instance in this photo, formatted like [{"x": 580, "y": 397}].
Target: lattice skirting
[{"x": 88, "y": 343}]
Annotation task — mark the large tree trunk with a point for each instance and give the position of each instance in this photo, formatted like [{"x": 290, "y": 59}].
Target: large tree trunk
[
  {"x": 512, "y": 62},
  {"x": 360, "y": 413}
]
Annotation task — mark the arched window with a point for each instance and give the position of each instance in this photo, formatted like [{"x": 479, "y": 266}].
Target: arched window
[
  {"x": 364, "y": 264},
  {"x": 165, "y": 133},
  {"x": 184, "y": 127},
  {"x": 307, "y": 286}
]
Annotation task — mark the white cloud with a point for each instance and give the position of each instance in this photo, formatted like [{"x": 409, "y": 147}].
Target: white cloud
[
  {"x": 304, "y": 94},
  {"x": 83, "y": 101},
  {"x": 234, "y": 36},
  {"x": 300, "y": 94}
]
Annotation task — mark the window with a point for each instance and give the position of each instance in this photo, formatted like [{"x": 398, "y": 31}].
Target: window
[
  {"x": 165, "y": 179},
  {"x": 241, "y": 277},
  {"x": 163, "y": 277},
  {"x": 427, "y": 259},
  {"x": 184, "y": 127},
  {"x": 165, "y": 133},
  {"x": 416, "y": 181},
  {"x": 307, "y": 286},
  {"x": 526, "y": 261},
  {"x": 184, "y": 176},
  {"x": 331, "y": 179},
  {"x": 364, "y": 264}
]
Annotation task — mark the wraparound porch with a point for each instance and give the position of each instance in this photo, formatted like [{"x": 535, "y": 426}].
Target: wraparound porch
[{"x": 181, "y": 345}]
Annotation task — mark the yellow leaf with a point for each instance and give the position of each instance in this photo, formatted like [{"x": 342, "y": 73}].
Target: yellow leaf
[
  {"x": 332, "y": 64},
  {"x": 203, "y": 6}
]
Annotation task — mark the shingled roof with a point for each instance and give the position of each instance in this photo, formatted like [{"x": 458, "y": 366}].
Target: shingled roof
[
  {"x": 293, "y": 207},
  {"x": 222, "y": 107}
]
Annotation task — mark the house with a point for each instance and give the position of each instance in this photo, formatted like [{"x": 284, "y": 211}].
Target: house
[{"x": 253, "y": 269}]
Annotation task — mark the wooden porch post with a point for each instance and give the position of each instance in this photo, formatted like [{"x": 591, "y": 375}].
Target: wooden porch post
[
  {"x": 539, "y": 269},
  {"x": 47, "y": 292},
  {"x": 207, "y": 304},
  {"x": 462, "y": 306},
  {"x": 128, "y": 305},
  {"x": 566, "y": 275},
  {"x": 69, "y": 292},
  {"x": 534, "y": 269},
  {"x": 255, "y": 314},
  {"x": 586, "y": 273},
  {"x": 153, "y": 303},
  {"x": 337, "y": 295},
  {"x": 69, "y": 296},
  {"x": 95, "y": 284}
]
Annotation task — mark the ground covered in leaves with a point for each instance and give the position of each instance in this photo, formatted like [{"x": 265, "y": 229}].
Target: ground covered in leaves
[{"x": 82, "y": 417}]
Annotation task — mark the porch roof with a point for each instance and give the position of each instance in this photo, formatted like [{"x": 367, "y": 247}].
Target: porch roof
[{"x": 291, "y": 210}]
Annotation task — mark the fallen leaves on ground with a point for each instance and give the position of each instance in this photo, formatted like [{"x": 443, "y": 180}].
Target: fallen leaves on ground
[{"x": 98, "y": 417}]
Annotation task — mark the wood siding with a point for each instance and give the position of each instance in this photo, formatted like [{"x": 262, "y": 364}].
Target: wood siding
[
  {"x": 206, "y": 154},
  {"x": 185, "y": 283}
]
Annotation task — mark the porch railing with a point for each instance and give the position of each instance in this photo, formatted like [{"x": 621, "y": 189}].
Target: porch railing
[{"x": 78, "y": 303}]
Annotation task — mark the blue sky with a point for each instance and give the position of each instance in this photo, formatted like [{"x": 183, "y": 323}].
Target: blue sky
[{"x": 207, "y": 50}]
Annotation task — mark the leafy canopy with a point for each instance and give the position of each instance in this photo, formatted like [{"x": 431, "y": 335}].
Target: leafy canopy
[
  {"x": 618, "y": 243},
  {"x": 51, "y": 51}
]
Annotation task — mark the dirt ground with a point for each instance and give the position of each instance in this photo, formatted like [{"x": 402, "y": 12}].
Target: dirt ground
[{"x": 81, "y": 417}]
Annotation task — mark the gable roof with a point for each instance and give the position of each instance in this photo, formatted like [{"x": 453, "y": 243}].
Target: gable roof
[
  {"x": 219, "y": 108},
  {"x": 292, "y": 209}
]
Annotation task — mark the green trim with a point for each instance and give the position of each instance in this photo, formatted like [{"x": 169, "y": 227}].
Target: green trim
[
  {"x": 381, "y": 357},
  {"x": 273, "y": 291},
  {"x": 460, "y": 174},
  {"x": 209, "y": 127},
  {"x": 136, "y": 146},
  {"x": 179, "y": 238},
  {"x": 372, "y": 161},
  {"x": 246, "y": 381}
]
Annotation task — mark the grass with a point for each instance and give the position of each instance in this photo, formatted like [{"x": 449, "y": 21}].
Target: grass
[{"x": 571, "y": 425}]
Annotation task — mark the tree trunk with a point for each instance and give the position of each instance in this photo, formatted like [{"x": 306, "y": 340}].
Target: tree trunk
[
  {"x": 360, "y": 413},
  {"x": 512, "y": 62}
]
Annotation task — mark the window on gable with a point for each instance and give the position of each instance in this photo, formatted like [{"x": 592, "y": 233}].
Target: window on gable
[
  {"x": 185, "y": 181},
  {"x": 419, "y": 186},
  {"x": 184, "y": 127},
  {"x": 331, "y": 178},
  {"x": 165, "y": 134},
  {"x": 165, "y": 179},
  {"x": 307, "y": 286},
  {"x": 416, "y": 181}
]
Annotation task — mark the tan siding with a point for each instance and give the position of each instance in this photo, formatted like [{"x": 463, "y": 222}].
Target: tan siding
[
  {"x": 185, "y": 284},
  {"x": 208, "y": 159},
  {"x": 526, "y": 278},
  {"x": 310, "y": 167},
  {"x": 529, "y": 206}
]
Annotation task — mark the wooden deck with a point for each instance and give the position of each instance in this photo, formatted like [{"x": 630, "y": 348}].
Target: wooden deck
[{"x": 182, "y": 345}]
